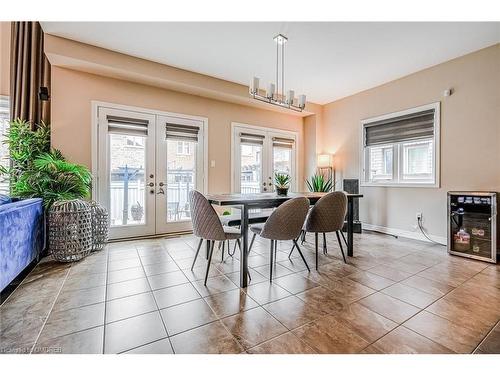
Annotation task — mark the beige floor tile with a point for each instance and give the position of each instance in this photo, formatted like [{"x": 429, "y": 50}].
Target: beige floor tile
[
  {"x": 440, "y": 330},
  {"x": 253, "y": 327},
  {"x": 404, "y": 341},
  {"x": 410, "y": 295},
  {"x": 392, "y": 308},
  {"x": 284, "y": 344},
  {"x": 328, "y": 336},
  {"x": 293, "y": 312}
]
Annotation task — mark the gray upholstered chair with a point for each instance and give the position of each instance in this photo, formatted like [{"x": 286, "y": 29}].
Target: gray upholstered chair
[
  {"x": 207, "y": 226},
  {"x": 326, "y": 216},
  {"x": 284, "y": 224}
]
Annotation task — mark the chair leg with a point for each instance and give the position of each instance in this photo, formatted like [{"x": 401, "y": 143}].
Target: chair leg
[
  {"x": 325, "y": 250},
  {"x": 223, "y": 248},
  {"x": 291, "y": 250},
  {"x": 212, "y": 243},
  {"x": 251, "y": 243},
  {"x": 301, "y": 255},
  {"x": 340, "y": 244},
  {"x": 272, "y": 262},
  {"x": 197, "y": 251},
  {"x": 342, "y": 233},
  {"x": 303, "y": 237},
  {"x": 316, "y": 246},
  {"x": 229, "y": 248}
]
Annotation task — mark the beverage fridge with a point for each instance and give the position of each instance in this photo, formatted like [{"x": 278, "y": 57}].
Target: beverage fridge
[{"x": 473, "y": 225}]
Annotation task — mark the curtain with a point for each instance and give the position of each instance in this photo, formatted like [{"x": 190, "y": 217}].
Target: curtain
[{"x": 29, "y": 71}]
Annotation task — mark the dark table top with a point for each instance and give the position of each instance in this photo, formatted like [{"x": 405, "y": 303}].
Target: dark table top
[{"x": 264, "y": 198}]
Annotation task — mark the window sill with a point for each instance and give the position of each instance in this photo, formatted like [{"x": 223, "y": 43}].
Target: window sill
[{"x": 401, "y": 185}]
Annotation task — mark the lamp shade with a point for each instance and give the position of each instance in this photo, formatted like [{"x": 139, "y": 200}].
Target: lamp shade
[{"x": 324, "y": 161}]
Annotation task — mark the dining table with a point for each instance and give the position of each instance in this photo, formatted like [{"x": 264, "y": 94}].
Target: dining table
[{"x": 248, "y": 202}]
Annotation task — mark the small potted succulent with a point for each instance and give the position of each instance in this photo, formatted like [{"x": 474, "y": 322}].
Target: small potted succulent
[{"x": 282, "y": 183}]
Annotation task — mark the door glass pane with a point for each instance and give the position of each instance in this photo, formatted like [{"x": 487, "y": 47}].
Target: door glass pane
[
  {"x": 251, "y": 168},
  {"x": 127, "y": 187},
  {"x": 282, "y": 160},
  {"x": 181, "y": 178}
]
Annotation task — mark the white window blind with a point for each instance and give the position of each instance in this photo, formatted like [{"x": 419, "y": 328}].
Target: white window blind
[
  {"x": 413, "y": 126},
  {"x": 127, "y": 125},
  {"x": 248, "y": 138},
  {"x": 182, "y": 132}
]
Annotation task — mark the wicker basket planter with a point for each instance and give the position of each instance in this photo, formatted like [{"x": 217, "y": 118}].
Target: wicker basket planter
[
  {"x": 70, "y": 230},
  {"x": 100, "y": 226}
]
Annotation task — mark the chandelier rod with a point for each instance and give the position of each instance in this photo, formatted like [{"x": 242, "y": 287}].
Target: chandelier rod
[
  {"x": 277, "y": 65},
  {"x": 282, "y": 70}
]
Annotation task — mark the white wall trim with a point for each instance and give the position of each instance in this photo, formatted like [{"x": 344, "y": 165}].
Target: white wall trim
[{"x": 404, "y": 233}]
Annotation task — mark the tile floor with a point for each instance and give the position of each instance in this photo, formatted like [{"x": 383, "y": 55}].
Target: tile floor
[{"x": 394, "y": 296}]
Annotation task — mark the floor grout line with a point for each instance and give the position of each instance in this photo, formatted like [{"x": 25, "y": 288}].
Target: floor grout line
[
  {"x": 105, "y": 306},
  {"x": 497, "y": 324},
  {"x": 157, "y": 307},
  {"x": 50, "y": 310},
  {"x": 264, "y": 306}
]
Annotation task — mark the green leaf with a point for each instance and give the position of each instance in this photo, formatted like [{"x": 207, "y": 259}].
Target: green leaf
[{"x": 318, "y": 183}]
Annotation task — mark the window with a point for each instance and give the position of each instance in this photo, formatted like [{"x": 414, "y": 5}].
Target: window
[
  {"x": 4, "y": 151},
  {"x": 381, "y": 163},
  {"x": 402, "y": 149},
  {"x": 183, "y": 148}
]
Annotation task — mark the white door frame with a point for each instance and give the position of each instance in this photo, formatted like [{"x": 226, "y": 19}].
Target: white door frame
[
  {"x": 96, "y": 139},
  {"x": 275, "y": 131},
  {"x": 148, "y": 228},
  {"x": 162, "y": 226}
]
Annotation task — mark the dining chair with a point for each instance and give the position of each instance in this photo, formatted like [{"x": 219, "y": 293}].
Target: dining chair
[
  {"x": 207, "y": 226},
  {"x": 327, "y": 216},
  {"x": 284, "y": 224}
]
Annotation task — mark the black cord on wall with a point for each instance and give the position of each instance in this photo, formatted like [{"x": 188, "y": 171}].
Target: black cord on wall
[{"x": 425, "y": 234}]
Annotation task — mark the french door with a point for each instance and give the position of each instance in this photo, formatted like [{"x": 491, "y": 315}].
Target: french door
[
  {"x": 259, "y": 153},
  {"x": 147, "y": 164}
]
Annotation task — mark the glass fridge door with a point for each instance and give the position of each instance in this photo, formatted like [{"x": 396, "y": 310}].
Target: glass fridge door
[{"x": 470, "y": 226}]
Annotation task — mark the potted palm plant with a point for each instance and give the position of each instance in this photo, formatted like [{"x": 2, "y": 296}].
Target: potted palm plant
[
  {"x": 318, "y": 183},
  {"x": 282, "y": 183}
]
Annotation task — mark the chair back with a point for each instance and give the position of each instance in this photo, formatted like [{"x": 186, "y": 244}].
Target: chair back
[
  {"x": 285, "y": 223},
  {"x": 328, "y": 214},
  {"x": 206, "y": 223}
]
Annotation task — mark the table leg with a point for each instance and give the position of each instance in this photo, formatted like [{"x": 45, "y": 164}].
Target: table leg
[
  {"x": 350, "y": 226},
  {"x": 244, "y": 251}
]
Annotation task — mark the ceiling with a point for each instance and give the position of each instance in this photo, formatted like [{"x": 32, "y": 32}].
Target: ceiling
[{"x": 324, "y": 60}]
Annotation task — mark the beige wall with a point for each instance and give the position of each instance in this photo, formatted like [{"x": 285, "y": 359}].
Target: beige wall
[
  {"x": 470, "y": 137},
  {"x": 73, "y": 91},
  {"x": 4, "y": 58}
]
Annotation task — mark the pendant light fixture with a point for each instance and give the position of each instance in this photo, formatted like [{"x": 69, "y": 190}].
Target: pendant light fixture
[{"x": 275, "y": 93}]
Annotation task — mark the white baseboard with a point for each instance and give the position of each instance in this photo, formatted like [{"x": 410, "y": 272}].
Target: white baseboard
[{"x": 404, "y": 233}]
